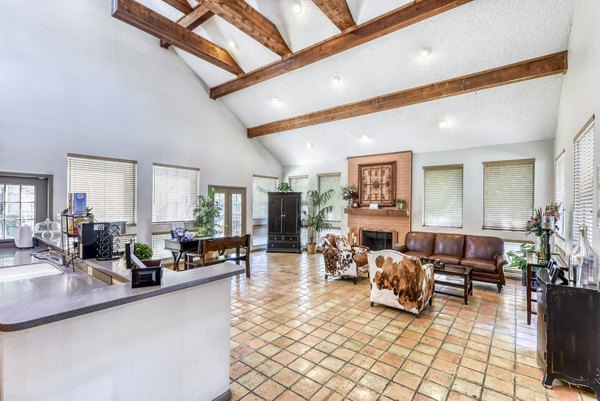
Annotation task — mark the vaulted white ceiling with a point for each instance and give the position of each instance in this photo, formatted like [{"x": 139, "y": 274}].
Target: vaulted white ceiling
[{"x": 480, "y": 35}]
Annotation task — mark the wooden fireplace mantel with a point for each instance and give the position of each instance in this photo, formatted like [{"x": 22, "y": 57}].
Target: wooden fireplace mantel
[{"x": 377, "y": 212}]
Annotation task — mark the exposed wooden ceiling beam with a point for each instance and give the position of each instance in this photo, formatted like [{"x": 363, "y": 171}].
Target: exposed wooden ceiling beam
[
  {"x": 245, "y": 18},
  {"x": 141, "y": 17},
  {"x": 181, "y": 5},
  {"x": 338, "y": 12},
  {"x": 412, "y": 13},
  {"x": 193, "y": 20},
  {"x": 522, "y": 71}
]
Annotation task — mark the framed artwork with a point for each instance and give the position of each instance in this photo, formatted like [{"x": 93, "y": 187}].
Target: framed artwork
[{"x": 377, "y": 184}]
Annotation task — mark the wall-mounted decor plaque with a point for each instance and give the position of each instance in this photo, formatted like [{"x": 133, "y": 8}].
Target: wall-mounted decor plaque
[{"x": 377, "y": 184}]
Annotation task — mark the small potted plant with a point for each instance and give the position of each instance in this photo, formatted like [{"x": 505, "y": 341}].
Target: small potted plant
[
  {"x": 284, "y": 187},
  {"x": 400, "y": 203},
  {"x": 144, "y": 253},
  {"x": 350, "y": 194},
  {"x": 315, "y": 220}
]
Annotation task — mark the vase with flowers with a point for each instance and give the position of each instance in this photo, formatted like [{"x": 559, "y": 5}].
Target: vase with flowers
[
  {"x": 350, "y": 194},
  {"x": 543, "y": 224}
]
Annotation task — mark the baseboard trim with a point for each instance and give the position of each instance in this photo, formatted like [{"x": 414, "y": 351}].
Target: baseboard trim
[{"x": 226, "y": 396}]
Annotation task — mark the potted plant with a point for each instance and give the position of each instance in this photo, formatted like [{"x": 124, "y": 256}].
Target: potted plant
[
  {"x": 519, "y": 259},
  {"x": 284, "y": 187},
  {"x": 144, "y": 253},
  {"x": 205, "y": 214},
  {"x": 315, "y": 219},
  {"x": 350, "y": 194},
  {"x": 400, "y": 203}
]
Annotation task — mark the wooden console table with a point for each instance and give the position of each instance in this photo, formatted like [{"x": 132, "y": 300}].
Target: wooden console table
[
  {"x": 179, "y": 248},
  {"x": 568, "y": 333}
]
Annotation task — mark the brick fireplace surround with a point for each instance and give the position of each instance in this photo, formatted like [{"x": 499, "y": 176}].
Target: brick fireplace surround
[{"x": 380, "y": 220}]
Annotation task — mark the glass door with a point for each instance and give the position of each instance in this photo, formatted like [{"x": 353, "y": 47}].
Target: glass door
[
  {"x": 23, "y": 201},
  {"x": 232, "y": 202}
]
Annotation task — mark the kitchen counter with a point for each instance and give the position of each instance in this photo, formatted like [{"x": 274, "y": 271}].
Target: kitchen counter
[{"x": 72, "y": 336}]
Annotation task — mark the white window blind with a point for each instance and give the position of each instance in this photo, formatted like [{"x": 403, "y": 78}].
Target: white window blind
[
  {"x": 583, "y": 191},
  {"x": 110, "y": 185},
  {"x": 174, "y": 193},
  {"x": 443, "y": 196},
  {"x": 327, "y": 182},
  {"x": 300, "y": 184},
  {"x": 559, "y": 190},
  {"x": 261, "y": 186},
  {"x": 507, "y": 194}
]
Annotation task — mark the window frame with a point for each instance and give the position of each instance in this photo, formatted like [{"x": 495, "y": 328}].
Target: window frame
[
  {"x": 589, "y": 126},
  {"x": 462, "y": 196},
  {"x": 508, "y": 163},
  {"x": 171, "y": 166},
  {"x": 560, "y": 159},
  {"x": 114, "y": 160}
]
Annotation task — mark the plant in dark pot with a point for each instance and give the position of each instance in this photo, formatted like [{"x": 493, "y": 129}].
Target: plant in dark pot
[
  {"x": 206, "y": 214},
  {"x": 519, "y": 259},
  {"x": 315, "y": 220},
  {"x": 144, "y": 253}
]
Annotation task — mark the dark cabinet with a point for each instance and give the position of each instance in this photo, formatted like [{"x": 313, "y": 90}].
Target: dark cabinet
[
  {"x": 284, "y": 222},
  {"x": 568, "y": 327}
]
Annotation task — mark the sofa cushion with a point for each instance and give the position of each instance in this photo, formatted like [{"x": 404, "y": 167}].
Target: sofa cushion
[
  {"x": 342, "y": 243},
  {"x": 361, "y": 259},
  {"x": 480, "y": 247},
  {"x": 482, "y": 265},
  {"x": 449, "y": 244},
  {"x": 420, "y": 242},
  {"x": 450, "y": 259},
  {"x": 416, "y": 254}
]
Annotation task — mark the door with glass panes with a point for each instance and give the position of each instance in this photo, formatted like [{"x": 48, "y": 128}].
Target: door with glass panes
[
  {"x": 23, "y": 201},
  {"x": 232, "y": 217}
]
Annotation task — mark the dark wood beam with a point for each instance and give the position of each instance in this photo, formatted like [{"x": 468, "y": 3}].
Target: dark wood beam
[
  {"x": 338, "y": 12},
  {"x": 410, "y": 14},
  {"x": 181, "y": 5},
  {"x": 193, "y": 20},
  {"x": 245, "y": 18},
  {"x": 522, "y": 71},
  {"x": 141, "y": 17}
]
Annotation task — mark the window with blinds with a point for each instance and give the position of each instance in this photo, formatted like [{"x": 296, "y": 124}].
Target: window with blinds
[
  {"x": 300, "y": 184},
  {"x": 507, "y": 194},
  {"x": 261, "y": 186},
  {"x": 559, "y": 190},
  {"x": 110, "y": 185},
  {"x": 583, "y": 191},
  {"x": 174, "y": 193},
  {"x": 327, "y": 182},
  {"x": 443, "y": 196}
]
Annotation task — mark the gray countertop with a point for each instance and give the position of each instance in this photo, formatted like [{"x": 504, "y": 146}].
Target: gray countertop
[{"x": 33, "y": 302}]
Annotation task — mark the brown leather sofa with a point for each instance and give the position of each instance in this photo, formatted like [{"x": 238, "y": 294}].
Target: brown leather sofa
[{"x": 485, "y": 255}]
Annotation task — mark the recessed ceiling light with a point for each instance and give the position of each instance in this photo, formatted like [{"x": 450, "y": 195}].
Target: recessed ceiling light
[
  {"x": 424, "y": 52},
  {"x": 365, "y": 137},
  {"x": 275, "y": 99},
  {"x": 232, "y": 43},
  {"x": 296, "y": 7},
  {"x": 309, "y": 145},
  {"x": 443, "y": 124},
  {"x": 336, "y": 80}
]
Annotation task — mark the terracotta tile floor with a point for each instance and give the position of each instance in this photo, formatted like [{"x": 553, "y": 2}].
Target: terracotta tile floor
[{"x": 296, "y": 336}]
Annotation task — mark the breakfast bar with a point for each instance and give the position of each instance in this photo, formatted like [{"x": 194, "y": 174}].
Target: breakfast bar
[{"x": 70, "y": 336}]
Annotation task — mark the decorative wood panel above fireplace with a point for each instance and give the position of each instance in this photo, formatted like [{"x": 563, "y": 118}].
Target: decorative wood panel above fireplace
[{"x": 377, "y": 184}]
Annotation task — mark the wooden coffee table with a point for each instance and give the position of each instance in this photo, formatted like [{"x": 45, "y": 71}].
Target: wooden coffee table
[{"x": 454, "y": 276}]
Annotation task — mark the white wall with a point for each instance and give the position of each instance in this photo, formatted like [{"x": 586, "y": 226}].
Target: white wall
[
  {"x": 75, "y": 80},
  {"x": 580, "y": 98},
  {"x": 472, "y": 160}
]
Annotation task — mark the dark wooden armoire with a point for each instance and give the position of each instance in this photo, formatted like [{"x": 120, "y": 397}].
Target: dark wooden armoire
[{"x": 284, "y": 222}]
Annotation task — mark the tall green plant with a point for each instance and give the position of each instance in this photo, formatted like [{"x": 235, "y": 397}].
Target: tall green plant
[
  {"x": 317, "y": 211},
  {"x": 206, "y": 213},
  {"x": 519, "y": 258}
]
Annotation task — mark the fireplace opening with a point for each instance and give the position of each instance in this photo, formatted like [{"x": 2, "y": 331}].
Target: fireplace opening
[{"x": 377, "y": 240}]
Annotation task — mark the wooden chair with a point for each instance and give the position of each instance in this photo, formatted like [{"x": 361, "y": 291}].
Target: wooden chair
[{"x": 212, "y": 251}]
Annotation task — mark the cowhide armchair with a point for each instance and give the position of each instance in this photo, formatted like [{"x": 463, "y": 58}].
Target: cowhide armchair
[
  {"x": 344, "y": 260},
  {"x": 400, "y": 281}
]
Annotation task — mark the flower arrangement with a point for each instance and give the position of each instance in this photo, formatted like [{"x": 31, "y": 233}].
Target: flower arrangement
[
  {"x": 349, "y": 192},
  {"x": 541, "y": 219}
]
